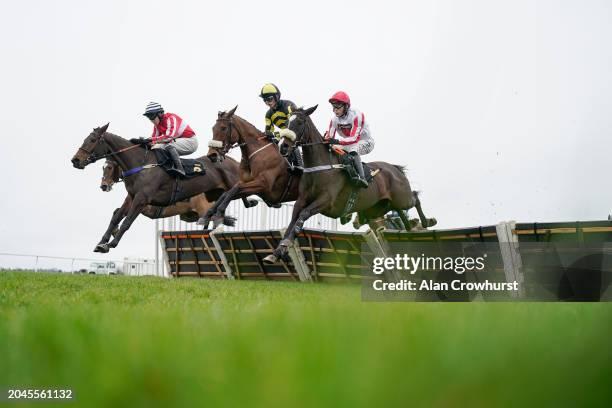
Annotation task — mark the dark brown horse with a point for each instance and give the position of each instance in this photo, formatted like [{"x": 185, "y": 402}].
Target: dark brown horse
[
  {"x": 326, "y": 190},
  {"x": 263, "y": 170},
  {"x": 152, "y": 185},
  {"x": 189, "y": 210}
]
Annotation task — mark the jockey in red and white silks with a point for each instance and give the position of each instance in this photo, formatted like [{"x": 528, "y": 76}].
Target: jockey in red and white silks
[
  {"x": 173, "y": 129},
  {"x": 350, "y": 128},
  {"x": 171, "y": 133},
  {"x": 350, "y": 131}
]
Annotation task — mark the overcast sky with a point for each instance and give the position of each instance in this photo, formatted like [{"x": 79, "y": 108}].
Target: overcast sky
[{"x": 499, "y": 109}]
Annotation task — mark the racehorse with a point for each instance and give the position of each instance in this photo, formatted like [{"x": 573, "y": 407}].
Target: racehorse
[
  {"x": 189, "y": 210},
  {"x": 263, "y": 170},
  {"x": 148, "y": 184},
  {"x": 325, "y": 189}
]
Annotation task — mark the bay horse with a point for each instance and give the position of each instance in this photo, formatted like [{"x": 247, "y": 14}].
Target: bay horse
[
  {"x": 149, "y": 184},
  {"x": 189, "y": 210},
  {"x": 263, "y": 170},
  {"x": 326, "y": 190}
]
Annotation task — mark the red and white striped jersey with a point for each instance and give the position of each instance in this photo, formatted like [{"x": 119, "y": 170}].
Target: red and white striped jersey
[
  {"x": 350, "y": 128},
  {"x": 171, "y": 126}
]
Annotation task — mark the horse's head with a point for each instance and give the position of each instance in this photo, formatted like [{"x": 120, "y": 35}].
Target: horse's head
[
  {"x": 110, "y": 175},
  {"x": 299, "y": 131},
  {"x": 92, "y": 148},
  {"x": 225, "y": 136}
]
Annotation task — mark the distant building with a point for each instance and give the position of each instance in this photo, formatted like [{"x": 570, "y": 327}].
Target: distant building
[{"x": 139, "y": 266}]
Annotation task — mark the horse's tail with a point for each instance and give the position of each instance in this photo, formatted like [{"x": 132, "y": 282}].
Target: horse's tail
[{"x": 401, "y": 168}]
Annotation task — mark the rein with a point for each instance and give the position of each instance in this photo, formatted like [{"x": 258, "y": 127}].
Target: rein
[
  {"x": 323, "y": 167},
  {"x": 92, "y": 158}
]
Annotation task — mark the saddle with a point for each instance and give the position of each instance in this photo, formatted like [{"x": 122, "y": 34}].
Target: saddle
[
  {"x": 350, "y": 167},
  {"x": 193, "y": 167}
]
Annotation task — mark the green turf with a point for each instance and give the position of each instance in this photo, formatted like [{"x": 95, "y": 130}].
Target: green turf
[{"x": 146, "y": 342}]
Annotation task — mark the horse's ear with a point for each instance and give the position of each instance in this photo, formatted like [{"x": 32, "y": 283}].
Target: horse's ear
[
  {"x": 103, "y": 128},
  {"x": 220, "y": 114},
  {"x": 309, "y": 111},
  {"x": 231, "y": 113}
]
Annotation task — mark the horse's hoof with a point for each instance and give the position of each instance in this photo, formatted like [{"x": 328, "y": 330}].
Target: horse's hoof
[
  {"x": 252, "y": 203},
  {"x": 103, "y": 248},
  {"x": 217, "y": 221},
  {"x": 203, "y": 221},
  {"x": 270, "y": 259},
  {"x": 431, "y": 222}
]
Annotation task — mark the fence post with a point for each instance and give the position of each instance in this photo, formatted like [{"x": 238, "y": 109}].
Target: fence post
[
  {"x": 263, "y": 223},
  {"x": 228, "y": 269},
  {"x": 509, "y": 247},
  {"x": 157, "y": 243}
]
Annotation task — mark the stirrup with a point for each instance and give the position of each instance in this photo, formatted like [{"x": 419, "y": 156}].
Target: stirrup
[{"x": 360, "y": 182}]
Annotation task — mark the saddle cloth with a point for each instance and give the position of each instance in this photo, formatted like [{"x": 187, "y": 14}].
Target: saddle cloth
[{"x": 193, "y": 167}]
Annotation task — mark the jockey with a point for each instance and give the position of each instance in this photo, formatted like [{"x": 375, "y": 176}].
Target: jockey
[
  {"x": 170, "y": 133},
  {"x": 278, "y": 115},
  {"x": 349, "y": 129}
]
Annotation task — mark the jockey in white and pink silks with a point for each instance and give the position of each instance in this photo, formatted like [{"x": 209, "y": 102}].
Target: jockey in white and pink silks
[{"x": 349, "y": 129}]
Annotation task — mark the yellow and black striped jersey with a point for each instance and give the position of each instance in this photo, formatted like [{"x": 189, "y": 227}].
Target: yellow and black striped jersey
[{"x": 279, "y": 117}]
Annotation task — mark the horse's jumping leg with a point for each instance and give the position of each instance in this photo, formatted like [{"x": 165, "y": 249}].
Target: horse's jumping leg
[
  {"x": 138, "y": 204},
  {"x": 118, "y": 215},
  {"x": 240, "y": 190},
  {"x": 206, "y": 218},
  {"x": 296, "y": 226},
  {"x": 425, "y": 222}
]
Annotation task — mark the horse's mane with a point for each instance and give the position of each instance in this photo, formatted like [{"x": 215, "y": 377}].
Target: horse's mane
[
  {"x": 246, "y": 122},
  {"x": 309, "y": 124}
]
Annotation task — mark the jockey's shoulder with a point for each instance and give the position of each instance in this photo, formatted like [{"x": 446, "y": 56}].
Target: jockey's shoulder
[{"x": 289, "y": 103}]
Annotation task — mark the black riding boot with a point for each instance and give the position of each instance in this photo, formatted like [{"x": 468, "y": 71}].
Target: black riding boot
[
  {"x": 176, "y": 159},
  {"x": 297, "y": 165},
  {"x": 361, "y": 181}
]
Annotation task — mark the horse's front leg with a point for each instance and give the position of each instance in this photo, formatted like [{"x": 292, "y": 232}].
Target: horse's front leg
[
  {"x": 301, "y": 214},
  {"x": 118, "y": 215},
  {"x": 205, "y": 219},
  {"x": 138, "y": 203}
]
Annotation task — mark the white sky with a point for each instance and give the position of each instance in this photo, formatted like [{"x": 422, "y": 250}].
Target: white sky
[{"x": 500, "y": 109}]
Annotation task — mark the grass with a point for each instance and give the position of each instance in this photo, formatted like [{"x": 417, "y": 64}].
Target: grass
[{"x": 147, "y": 342}]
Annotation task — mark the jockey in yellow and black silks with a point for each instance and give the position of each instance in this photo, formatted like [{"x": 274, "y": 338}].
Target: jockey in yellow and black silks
[{"x": 278, "y": 116}]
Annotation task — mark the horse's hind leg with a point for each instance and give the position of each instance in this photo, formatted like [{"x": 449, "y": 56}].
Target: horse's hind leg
[{"x": 425, "y": 222}]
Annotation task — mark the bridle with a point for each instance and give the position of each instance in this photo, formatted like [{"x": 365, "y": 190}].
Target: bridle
[
  {"x": 298, "y": 140},
  {"x": 115, "y": 176},
  {"x": 227, "y": 140},
  {"x": 92, "y": 157}
]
